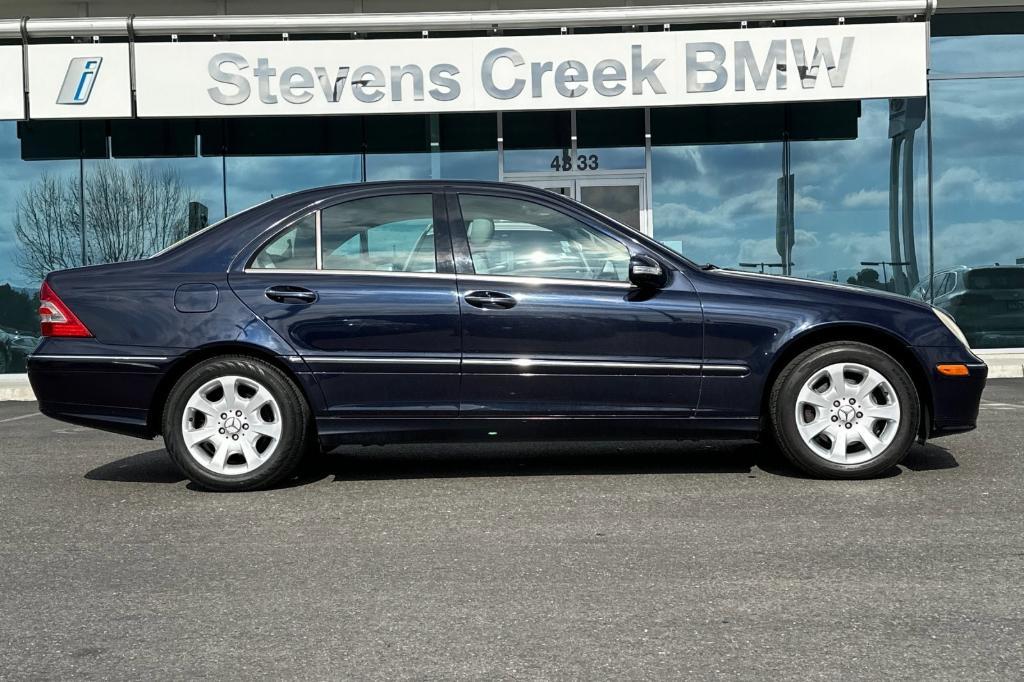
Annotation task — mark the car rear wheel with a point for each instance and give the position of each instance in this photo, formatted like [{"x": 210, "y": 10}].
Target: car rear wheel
[
  {"x": 236, "y": 423},
  {"x": 845, "y": 410}
]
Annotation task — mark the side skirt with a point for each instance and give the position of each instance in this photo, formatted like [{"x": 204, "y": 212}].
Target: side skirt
[{"x": 335, "y": 431}]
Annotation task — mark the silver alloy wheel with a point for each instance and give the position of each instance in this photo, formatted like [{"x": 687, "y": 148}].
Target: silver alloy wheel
[
  {"x": 231, "y": 425},
  {"x": 847, "y": 413}
]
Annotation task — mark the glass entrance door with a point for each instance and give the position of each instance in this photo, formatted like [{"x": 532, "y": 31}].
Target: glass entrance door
[
  {"x": 622, "y": 199},
  {"x": 621, "y": 196}
]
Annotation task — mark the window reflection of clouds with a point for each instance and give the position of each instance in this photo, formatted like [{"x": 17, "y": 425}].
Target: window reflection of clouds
[
  {"x": 708, "y": 198},
  {"x": 253, "y": 179},
  {"x": 976, "y": 54},
  {"x": 979, "y": 182},
  {"x": 718, "y": 202}
]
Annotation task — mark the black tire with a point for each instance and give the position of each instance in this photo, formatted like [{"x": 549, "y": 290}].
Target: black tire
[
  {"x": 296, "y": 437},
  {"x": 787, "y": 387}
]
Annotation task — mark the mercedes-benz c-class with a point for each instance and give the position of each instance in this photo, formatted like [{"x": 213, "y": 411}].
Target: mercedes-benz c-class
[{"x": 411, "y": 311}]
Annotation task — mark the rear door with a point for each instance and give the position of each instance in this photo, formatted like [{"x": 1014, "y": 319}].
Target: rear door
[
  {"x": 551, "y": 325},
  {"x": 364, "y": 291}
]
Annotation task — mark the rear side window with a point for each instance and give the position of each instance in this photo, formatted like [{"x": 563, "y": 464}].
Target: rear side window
[
  {"x": 996, "y": 278},
  {"x": 387, "y": 233},
  {"x": 293, "y": 249}
]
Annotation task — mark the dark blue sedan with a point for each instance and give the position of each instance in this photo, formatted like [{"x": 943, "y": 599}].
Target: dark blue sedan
[{"x": 465, "y": 310}]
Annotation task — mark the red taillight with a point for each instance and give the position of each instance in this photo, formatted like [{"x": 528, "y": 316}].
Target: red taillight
[{"x": 55, "y": 318}]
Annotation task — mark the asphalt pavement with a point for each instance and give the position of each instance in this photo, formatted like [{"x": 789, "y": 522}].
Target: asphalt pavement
[{"x": 536, "y": 561}]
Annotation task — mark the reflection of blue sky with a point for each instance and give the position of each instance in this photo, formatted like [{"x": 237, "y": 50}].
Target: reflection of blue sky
[
  {"x": 254, "y": 179},
  {"x": 979, "y": 179},
  {"x": 717, "y": 203},
  {"x": 976, "y": 54}
]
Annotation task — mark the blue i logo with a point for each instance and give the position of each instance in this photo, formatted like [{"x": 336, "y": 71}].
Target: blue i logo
[{"x": 79, "y": 79}]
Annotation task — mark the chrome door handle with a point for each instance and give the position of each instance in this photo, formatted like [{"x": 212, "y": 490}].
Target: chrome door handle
[
  {"x": 490, "y": 300},
  {"x": 290, "y": 294}
]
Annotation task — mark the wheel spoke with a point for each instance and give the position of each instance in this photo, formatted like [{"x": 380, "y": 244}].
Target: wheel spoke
[
  {"x": 872, "y": 380},
  {"x": 869, "y": 439},
  {"x": 220, "y": 456},
  {"x": 252, "y": 406},
  {"x": 837, "y": 452},
  {"x": 252, "y": 458},
  {"x": 811, "y": 430},
  {"x": 887, "y": 412},
  {"x": 272, "y": 429},
  {"x": 199, "y": 403},
  {"x": 837, "y": 382},
  {"x": 229, "y": 386},
  {"x": 811, "y": 397},
  {"x": 197, "y": 436}
]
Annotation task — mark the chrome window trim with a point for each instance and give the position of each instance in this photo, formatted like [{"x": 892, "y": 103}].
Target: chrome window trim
[
  {"x": 539, "y": 281},
  {"x": 318, "y": 237},
  {"x": 348, "y": 273}
]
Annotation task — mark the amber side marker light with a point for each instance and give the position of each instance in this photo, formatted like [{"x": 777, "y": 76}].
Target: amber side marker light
[{"x": 953, "y": 370}]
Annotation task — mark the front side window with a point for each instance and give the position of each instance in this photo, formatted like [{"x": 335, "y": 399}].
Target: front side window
[
  {"x": 293, "y": 249},
  {"x": 388, "y": 233},
  {"x": 519, "y": 238}
]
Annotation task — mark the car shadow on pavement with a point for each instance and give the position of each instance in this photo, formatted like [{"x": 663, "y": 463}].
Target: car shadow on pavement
[
  {"x": 147, "y": 467},
  {"x": 398, "y": 462}
]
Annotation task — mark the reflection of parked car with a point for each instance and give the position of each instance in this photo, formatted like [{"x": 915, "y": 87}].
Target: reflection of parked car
[
  {"x": 987, "y": 302},
  {"x": 15, "y": 346}
]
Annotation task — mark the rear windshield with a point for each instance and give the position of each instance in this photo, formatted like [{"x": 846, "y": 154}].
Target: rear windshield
[{"x": 996, "y": 278}]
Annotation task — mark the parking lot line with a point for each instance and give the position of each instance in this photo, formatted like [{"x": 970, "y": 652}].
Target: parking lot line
[{"x": 21, "y": 416}]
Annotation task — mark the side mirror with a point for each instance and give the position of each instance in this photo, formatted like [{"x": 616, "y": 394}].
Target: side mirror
[{"x": 646, "y": 272}]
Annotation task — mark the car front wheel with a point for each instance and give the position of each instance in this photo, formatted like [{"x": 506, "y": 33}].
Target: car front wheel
[
  {"x": 236, "y": 423},
  {"x": 845, "y": 410}
]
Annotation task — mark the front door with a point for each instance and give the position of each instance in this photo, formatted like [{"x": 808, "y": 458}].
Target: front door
[
  {"x": 550, "y": 323},
  {"x": 368, "y": 301}
]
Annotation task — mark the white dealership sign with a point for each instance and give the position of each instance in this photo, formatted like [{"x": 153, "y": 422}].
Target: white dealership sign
[
  {"x": 300, "y": 77},
  {"x": 84, "y": 80},
  {"x": 12, "y": 89},
  {"x": 531, "y": 72}
]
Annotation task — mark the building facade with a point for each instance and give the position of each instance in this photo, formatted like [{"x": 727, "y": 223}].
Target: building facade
[{"x": 872, "y": 143}]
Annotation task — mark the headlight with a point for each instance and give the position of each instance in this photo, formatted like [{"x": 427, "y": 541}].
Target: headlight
[{"x": 951, "y": 325}]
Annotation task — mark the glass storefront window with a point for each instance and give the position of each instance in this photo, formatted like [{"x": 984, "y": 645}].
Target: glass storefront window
[
  {"x": 412, "y": 166},
  {"x": 978, "y": 184},
  {"x": 39, "y": 231},
  {"x": 986, "y": 42},
  {"x": 841, "y": 212},
  {"x": 254, "y": 179},
  {"x": 136, "y": 207},
  {"x": 610, "y": 139},
  {"x": 717, "y": 203},
  {"x": 481, "y": 165}
]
